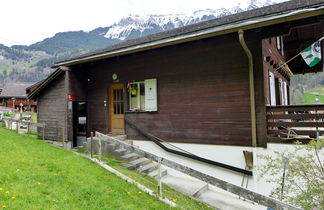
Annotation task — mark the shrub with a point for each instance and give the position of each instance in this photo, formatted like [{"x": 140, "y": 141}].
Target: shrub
[
  {"x": 7, "y": 114},
  {"x": 302, "y": 172}
]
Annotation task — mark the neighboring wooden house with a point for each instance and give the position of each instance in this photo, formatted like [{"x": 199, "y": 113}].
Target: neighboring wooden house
[
  {"x": 14, "y": 96},
  {"x": 197, "y": 86}
]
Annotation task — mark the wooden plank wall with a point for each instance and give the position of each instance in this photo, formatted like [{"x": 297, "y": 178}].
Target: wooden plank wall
[
  {"x": 77, "y": 86},
  {"x": 52, "y": 109},
  {"x": 269, "y": 49},
  {"x": 255, "y": 45},
  {"x": 203, "y": 91}
]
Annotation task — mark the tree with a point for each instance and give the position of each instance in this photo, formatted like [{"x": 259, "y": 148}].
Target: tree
[{"x": 298, "y": 175}]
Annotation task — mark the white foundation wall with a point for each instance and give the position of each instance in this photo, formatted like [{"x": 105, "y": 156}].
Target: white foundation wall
[
  {"x": 231, "y": 155},
  {"x": 224, "y": 154}
]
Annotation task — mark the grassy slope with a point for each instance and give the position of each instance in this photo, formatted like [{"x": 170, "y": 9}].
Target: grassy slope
[
  {"x": 309, "y": 97},
  {"x": 180, "y": 199},
  {"x": 34, "y": 175}
]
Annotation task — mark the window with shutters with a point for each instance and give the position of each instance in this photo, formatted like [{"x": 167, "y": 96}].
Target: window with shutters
[
  {"x": 142, "y": 95},
  {"x": 279, "y": 44}
]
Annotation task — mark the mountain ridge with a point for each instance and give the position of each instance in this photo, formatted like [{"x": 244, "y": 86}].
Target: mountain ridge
[{"x": 32, "y": 63}]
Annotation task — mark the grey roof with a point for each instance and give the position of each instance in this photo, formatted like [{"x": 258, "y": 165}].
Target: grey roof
[
  {"x": 248, "y": 18},
  {"x": 15, "y": 90}
]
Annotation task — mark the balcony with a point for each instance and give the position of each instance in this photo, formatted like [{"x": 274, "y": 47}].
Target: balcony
[{"x": 287, "y": 124}]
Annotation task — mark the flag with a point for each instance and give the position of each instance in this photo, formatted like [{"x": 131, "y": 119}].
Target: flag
[{"x": 312, "y": 54}]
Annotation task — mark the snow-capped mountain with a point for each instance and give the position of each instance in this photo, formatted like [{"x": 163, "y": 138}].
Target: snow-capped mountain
[
  {"x": 134, "y": 26},
  {"x": 64, "y": 45}
]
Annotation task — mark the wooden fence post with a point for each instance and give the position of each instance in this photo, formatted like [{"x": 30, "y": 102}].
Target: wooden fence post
[
  {"x": 44, "y": 131},
  {"x": 100, "y": 148},
  {"x": 91, "y": 144},
  {"x": 63, "y": 138},
  {"x": 28, "y": 124},
  {"x": 17, "y": 125},
  {"x": 160, "y": 179}
]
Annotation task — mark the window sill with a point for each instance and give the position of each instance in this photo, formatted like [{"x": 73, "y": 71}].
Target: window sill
[{"x": 134, "y": 112}]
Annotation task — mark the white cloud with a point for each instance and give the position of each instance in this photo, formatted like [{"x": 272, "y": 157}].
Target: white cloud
[{"x": 26, "y": 22}]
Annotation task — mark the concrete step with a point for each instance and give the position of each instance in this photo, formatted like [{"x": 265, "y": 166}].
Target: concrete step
[
  {"x": 200, "y": 191},
  {"x": 155, "y": 173},
  {"x": 120, "y": 152},
  {"x": 140, "y": 162},
  {"x": 226, "y": 201},
  {"x": 186, "y": 186},
  {"x": 130, "y": 142},
  {"x": 120, "y": 137},
  {"x": 111, "y": 145},
  {"x": 94, "y": 138},
  {"x": 108, "y": 148},
  {"x": 130, "y": 156},
  {"x": 128, "y": 166},
  {"x": 148, "y": 167}
]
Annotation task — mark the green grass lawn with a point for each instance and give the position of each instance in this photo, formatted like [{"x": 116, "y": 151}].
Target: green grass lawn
[
  {"x": 309, "y": 97},
  {"x": 35, "y": 175},
  {"x": 173, "y": 195}
]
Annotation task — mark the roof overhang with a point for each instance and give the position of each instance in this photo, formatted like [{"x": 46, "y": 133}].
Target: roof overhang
[
  {"x": 232, "y": 27},
  {"x": 44, "y": 83}
]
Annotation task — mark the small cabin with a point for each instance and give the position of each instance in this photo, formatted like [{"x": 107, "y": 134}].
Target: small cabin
[
  {"x": 214, "y": 88},
  {"x": 14, "y": 95}
]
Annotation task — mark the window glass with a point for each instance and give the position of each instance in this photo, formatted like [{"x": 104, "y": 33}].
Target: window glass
[
  {"x": 136, "y": 93},
  {"x": 278, "y": 42},
  {"x": 142, "y": 95},
  {"x": 118, "y": 101}
]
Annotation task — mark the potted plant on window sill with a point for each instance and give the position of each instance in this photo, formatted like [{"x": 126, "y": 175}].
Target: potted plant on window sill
[{"x": 133, "y": 91}]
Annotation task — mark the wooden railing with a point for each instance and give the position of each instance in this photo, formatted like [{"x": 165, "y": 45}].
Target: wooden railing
[{"x": 295, "y": 122}]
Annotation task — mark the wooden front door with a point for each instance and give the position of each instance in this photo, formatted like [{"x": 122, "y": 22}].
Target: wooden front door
[{"x": 116, "y": 108}]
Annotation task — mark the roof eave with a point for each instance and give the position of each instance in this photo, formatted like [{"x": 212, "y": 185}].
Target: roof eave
[
  {"x": 45, "y": 82},
  {"x": 201, "y": 34}
]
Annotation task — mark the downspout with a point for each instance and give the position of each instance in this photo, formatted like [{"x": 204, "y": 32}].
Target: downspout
[{"x": 251, "y": 80}]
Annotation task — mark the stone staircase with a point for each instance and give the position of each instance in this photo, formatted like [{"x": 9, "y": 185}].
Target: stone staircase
[
  {"x": 197, "y": 189},
  {"x": 132, "y": 160}
]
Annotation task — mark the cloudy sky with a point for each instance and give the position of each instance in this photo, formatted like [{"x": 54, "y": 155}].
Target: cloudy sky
[{"x": 29, "y": 21}]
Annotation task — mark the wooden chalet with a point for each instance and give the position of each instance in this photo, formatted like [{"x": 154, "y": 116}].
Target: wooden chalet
[
  {"x": 14, "y": 96},
  {"x": 215, "y": 83}
]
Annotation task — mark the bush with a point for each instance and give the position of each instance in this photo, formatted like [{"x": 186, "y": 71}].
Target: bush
[
  {"x": 7, "y": 114},
  {"x": 302, "y": 172}
]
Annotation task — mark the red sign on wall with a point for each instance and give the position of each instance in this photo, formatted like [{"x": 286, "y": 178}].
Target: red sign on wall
[{"x": 70, "y": 97}]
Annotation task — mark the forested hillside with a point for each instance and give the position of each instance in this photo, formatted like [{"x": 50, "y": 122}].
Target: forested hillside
[
  {"x": 301, "y": 84},
  {"x": 29, "y": 65},
  {"x": 32, "y": 63}
]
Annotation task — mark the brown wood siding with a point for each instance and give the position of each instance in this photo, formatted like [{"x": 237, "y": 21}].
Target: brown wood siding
[
  {"x": 203, "y": 91},
  {"x": 270, "y": 50},
  {"x": 52, "y": 109},
  {"x": 77, "y": 86},
  {"x": 259, "y": 86}
]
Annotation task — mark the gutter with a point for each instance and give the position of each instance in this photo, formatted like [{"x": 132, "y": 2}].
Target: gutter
[{"x": 251, "y": 80}]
